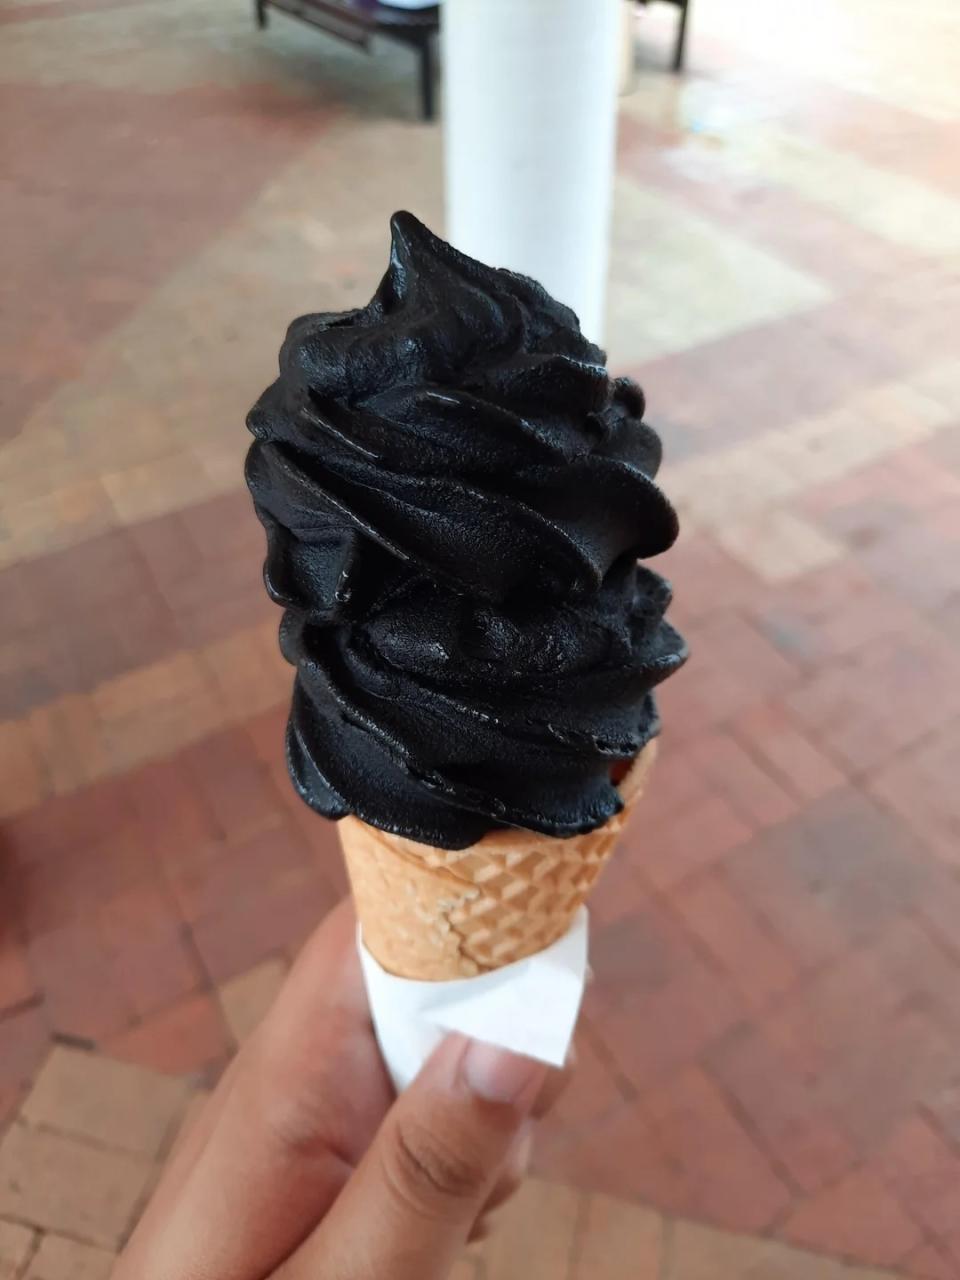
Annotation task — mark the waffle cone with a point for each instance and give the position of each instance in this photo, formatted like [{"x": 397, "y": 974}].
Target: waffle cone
[{"x": 436, "y": 914}]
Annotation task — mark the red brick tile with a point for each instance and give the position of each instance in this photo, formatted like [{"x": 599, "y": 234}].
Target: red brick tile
[
  {"x": 173, "y": 815},
  {"x": 270, "y": 859},
  {"x": 777, "y": 544},
  {"x": 919, "y": 676},
  {"x": 186, "y": 1037},
  {"x": 715, "y": 383},
  {"x": 858, "y": 1218},
  {"x": 328, "y": 860},
  {"x": 234, "y": 784},
  {"x": 789, "y": 1120},
  {"x": 921, "y": 786},
  {"x": 871, "y": 1037},
  {"x": 594, "y": 1092},
  {"x": 621, "y": 888},
  {"x": 152, "y": 712},
  {"x": 694, "y": 1126},
  {"x": 23, "y": 777},
  {"x": 206, "y": 560},
  {"x": 705, "y": 578},
  {"x": 918, "y": 562},
  {"x": 837, "y": 873},
  {"x": 673, "y": 787},
  {"x": 24, "y": 1043},
  {"x": 835, "y": 610},
  {"x": 732, "y": 665},
  {"x": 655, "y": 1002},
  {"x": 682, "y": 1150},
  {"x": 310, "y": 825},
  {"x": 890, "y": 136},
  {"x": 771, "y": 735},
  {"x": 743, "y": 945},
  {"x": 16, "y": 982},
  {"x": 923, "y": 1172},
  {"x": 750, "y": 790},
  {"x": 809, "y": 235},
  {"x": 595, "y": 1087},
  {"x": 154, "y": 962},
  {"x": 66, "y": 823},
  {"x": 71, "y": 885},
  {"x": 320, "y": 835},
  {"x": 266, "y": 731},
  {"x": 249, "y": 929},
  {"x": 875, "y": 500},
  {"x": 691, "y": 841},
  {"x": 79, "y": 982},
  {"x": 110, "y": 211},
  {"x": 900, "y": 315},
  {"x": 67, "y": 738},
  {"x": 93, "y": 613}
]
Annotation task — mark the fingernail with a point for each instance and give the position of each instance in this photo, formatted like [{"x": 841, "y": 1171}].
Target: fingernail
[{"x": 500, "y": 1076}]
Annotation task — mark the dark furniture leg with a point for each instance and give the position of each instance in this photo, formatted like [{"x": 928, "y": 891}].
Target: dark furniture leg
[
  {"x": 427, "y": 77},
  {"x": 680, "y": 49},
  {"x": 358, "y": 21}
]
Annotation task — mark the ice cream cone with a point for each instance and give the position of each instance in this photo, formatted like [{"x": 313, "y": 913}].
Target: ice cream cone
[{"x": 436, "y": 914}]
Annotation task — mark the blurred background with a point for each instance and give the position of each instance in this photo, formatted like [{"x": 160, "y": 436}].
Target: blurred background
[{"x": 769, "y": 1081}]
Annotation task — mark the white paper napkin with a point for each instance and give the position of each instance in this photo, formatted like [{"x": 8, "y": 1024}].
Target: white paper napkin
[{"x": 530, "y": 1007}]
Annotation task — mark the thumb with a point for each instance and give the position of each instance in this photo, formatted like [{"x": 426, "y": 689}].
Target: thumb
[{"x": 407, "y": 1211}]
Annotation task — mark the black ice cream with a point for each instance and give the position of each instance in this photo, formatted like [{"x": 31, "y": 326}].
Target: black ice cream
[{"x": 456, "y": 495}]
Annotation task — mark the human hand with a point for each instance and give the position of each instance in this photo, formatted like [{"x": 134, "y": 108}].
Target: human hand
[{"x": 303, "y": 1166}]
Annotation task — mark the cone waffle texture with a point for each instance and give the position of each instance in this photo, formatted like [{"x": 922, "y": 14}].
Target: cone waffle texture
[{"x": 437, "y": 914}]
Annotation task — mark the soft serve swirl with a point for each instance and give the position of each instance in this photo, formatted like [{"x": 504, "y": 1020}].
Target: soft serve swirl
[{"x": 455, "y": 494}]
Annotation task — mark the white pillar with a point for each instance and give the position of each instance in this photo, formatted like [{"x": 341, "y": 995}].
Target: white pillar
[{"x": 530, "y": 129}]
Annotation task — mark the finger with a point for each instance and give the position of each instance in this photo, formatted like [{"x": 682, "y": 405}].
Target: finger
[
  {"x": 518, "y": 1162},
  {"x": 411, "y": 1205},
  {"x": 187, "y": 1148},
  {"x": 303, "y": 1102}
]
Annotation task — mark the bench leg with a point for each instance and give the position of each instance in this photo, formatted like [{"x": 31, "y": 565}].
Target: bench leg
[
  {"x": 427, "y": 78},
  {"x": 680, "y": 49},
  {"x": 260, "y": 13}
]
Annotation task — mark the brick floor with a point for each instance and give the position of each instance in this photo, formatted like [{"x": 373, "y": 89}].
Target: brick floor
[
  {"x": 69, "y": 1199},
  {"x": 60, "y": 1258},
  {"x": 770, "y": 1042},
  {"x": 104, "y": 1101},
  {"x": 54, "y": 1182}
]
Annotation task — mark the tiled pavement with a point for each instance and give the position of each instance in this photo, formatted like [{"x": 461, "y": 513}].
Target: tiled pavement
[
  {"x": 80, "y": 1159},
  {"x": 769, "y": 1055}
]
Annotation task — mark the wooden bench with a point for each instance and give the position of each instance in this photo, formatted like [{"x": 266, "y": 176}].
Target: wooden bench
[{"x": 358, "y": 21}]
